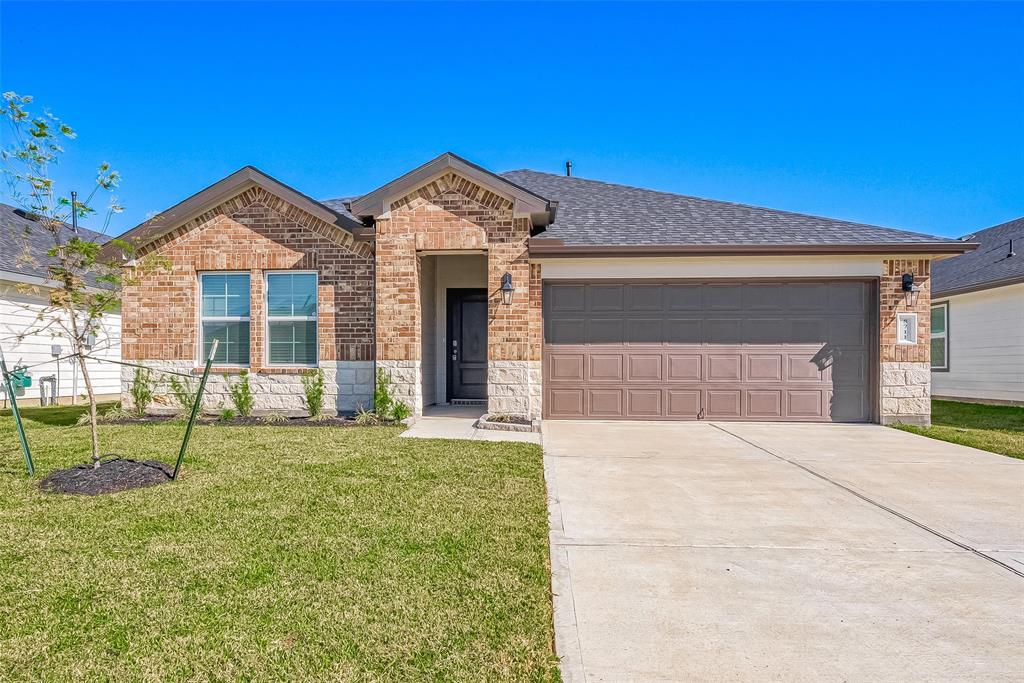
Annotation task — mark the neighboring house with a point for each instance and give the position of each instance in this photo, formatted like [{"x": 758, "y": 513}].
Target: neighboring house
[
  {"x": 978, "y": 319},
  {"x": 539, "y": 295},
  {"x": 24, "y": 294}
]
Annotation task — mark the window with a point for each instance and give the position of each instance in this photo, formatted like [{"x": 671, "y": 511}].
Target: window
[
  {"x": 940, "y": 336},
  {"x": 291, "y": 319},
  {"x": 906, "y": 328},
  {"x": 225, "y": 316}
]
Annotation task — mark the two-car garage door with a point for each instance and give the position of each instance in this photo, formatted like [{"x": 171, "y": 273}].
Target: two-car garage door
[{"x": 772, "y": 350}]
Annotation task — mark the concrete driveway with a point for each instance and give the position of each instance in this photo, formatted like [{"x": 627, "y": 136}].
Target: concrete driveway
[{"x": 700, "y": 551}]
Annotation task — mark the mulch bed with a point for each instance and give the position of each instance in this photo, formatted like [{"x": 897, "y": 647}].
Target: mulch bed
[
  {"x": 510, "y": 419},
  {"x": 117, "y": 474}
]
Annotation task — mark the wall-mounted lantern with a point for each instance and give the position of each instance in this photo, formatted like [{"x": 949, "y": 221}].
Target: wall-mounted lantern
[
  {"x": 910, "y": 290},
  {"x": 507, "y": 289}
]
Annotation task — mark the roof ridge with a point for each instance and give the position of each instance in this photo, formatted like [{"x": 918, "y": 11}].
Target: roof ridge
[{"x": 736, "y": 204}]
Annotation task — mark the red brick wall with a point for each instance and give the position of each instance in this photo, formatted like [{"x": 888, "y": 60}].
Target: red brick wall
[
  {"x": 254, "y": 231},
  {"x": 892, "y": 300},
  {"x": 452, "y": 213}
]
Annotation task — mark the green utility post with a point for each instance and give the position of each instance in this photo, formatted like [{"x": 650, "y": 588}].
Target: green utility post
[
  {"x": 195, "y": 408},
  {"x": 9, "y": 385}
]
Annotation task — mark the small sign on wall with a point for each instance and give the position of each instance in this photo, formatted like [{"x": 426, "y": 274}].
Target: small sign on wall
[{"x": 906, "y": 328}]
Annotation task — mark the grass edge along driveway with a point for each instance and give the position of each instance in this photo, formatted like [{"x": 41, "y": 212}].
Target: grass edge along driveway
[
  {"x": 282, "y": 554},
  {"x": 998, "y": 429}
]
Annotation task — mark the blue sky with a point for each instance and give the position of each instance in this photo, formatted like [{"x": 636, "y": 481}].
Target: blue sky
[{"x": 906, "y": 115}]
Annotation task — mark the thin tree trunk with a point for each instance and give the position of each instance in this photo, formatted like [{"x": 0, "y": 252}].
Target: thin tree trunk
[{"x": 92, "y": 411}]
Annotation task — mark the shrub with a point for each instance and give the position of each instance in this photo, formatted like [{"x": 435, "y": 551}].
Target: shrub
[
  {"x": 183, "y": 390},
  {"x": 313, "y": 386},
  {"x": 385, "y": 405},
  {"x": 226, "y": 414},
  {"x": 274, "y": 418},
  {"x": 142, "y": 391},
  {"x": 241, "y": 394},
  {"x": 366, "y": 418}
]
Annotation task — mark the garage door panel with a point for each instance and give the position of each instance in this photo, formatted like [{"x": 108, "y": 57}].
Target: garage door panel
[
  {"x": 606, "y": 367},
  {"x": 684, "y": 367},
  {"x": 724, "y": 367},
  {"x": 605, "y": 402},
  {"x": 728, "y": 351},
  {"x": 684, "y": 403},
  {"x": 644, "y": 403}
]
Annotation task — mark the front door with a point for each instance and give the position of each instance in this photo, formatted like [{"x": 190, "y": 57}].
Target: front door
[{"x": 467, "y": 344}]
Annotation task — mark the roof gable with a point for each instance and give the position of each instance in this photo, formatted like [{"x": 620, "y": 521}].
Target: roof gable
[
  {"x": 223, "y": 190},
  {"x": 524, "y": 201}
]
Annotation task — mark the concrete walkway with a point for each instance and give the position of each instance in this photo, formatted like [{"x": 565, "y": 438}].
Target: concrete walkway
[
  {"x": 457, "y": 422},
  {"x": 697, "y": 551}
]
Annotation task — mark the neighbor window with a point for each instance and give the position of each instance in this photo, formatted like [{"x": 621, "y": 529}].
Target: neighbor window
[
  {"x": 291, "y": 318},
  {"x": 940, "y": 336},
  {"x": 225, "y": 316}
]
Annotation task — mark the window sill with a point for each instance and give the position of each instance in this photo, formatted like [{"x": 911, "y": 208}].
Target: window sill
[{"x": 235, "y": 370}]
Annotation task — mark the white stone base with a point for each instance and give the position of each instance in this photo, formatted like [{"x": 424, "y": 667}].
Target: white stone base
[
  {"x": 406, "y": 382},
  {"x": 348, "y": 385},
  {"x": 906, "y": 390},
  {"x": 514, "y": 388}
]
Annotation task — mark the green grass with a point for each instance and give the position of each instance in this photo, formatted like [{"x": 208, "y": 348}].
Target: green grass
[
  {"x": 999, "y": 429},
  {"x": 281, "y": 554}
]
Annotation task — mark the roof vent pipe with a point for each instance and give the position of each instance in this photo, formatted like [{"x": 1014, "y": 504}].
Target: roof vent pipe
[
  {"x": 568, "y": 169},
  {"x": 1012, "y": 252}
]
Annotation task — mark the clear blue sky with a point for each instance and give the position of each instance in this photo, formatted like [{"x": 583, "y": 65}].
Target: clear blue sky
[{"x": 908, "y": 115}]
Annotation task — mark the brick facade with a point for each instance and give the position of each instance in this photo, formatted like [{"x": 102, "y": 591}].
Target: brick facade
[
  {"x": 905, "y": 373},
  {"x": 254, "y": 231},
  {"x": 452, "y": 213}
]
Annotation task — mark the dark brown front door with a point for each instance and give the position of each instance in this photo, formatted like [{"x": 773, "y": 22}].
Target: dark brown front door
[
  {"x": 467, "y": 344},
  {"x": 777, "y": 350}
]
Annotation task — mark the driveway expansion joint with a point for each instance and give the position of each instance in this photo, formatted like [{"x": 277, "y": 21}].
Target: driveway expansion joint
[{"x": 854, "y": 492}]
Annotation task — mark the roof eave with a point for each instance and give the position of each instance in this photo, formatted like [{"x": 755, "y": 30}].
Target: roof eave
[
  {"x": 979, "y": 287},
  {"x": 550, "y": 248}
]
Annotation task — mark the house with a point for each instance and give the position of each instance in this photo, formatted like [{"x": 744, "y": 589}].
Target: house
[
  {"x": 24, "y": 294},
  {"x": 978, "y": 319},
  {"x": 539, "y": 295}
]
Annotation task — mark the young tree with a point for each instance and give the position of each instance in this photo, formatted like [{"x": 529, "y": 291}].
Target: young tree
[{"x": 83, "y": 288}]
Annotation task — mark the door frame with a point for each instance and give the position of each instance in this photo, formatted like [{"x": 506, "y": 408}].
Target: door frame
[{"x": 449, "y": 294}]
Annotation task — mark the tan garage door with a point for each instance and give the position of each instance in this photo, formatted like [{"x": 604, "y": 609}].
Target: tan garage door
[{"x": 795, "y": 350}]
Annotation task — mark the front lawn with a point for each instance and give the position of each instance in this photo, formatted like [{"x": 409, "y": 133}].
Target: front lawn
[
  {"x": 281, "y": 554},
  {"x": 999, "y": 429}
]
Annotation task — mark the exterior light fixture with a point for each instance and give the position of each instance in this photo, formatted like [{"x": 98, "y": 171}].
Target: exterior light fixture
[
  {"x": 910, "y": 290},
  {"x": 507, "y": 289}
]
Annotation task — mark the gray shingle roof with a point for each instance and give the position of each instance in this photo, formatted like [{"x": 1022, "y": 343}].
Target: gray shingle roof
[
  {"x": 989, "y": 266},
  {"x": 24, "y": 243},
  {"x": 594, "y": 213},
  {"x": 340, "y": 206}
]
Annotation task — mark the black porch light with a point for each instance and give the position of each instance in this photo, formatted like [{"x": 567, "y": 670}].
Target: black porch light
[
  {"x": 507, "y": 289},
  {"x": 910, "y": 290}
]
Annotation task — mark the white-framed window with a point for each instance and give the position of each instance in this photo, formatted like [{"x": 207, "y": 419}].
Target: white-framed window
[
  {"x": 940, "y": 336},
  {"x": 291, "y": 318},
  {"x": 906, "y": 328},
  {"x": 224, "y": 315}
]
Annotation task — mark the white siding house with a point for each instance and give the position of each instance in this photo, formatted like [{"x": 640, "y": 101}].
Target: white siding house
[
  {"x": 24, "y": 295},
  {"x": 978, "y": 320}
]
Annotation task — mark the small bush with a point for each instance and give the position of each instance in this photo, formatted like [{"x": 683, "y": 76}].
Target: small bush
[
  {"x": 183, "y": 391},
  {"x": 366, "y": 418},
  {"x": 313, "y": 386},
  {"x": 227, "y": 414},
  {"x": 142, "y": 391},
  {"x": 241, "y": 394},
  {"x": 274, "y": 418},
  {"x": 321, "y": 417},
  {"x": 385, "y": 405}
]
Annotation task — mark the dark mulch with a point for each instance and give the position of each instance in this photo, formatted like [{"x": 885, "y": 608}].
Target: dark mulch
[
  {"x": 510, "y": 419},
  {"x": 111, "y": 476}
]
